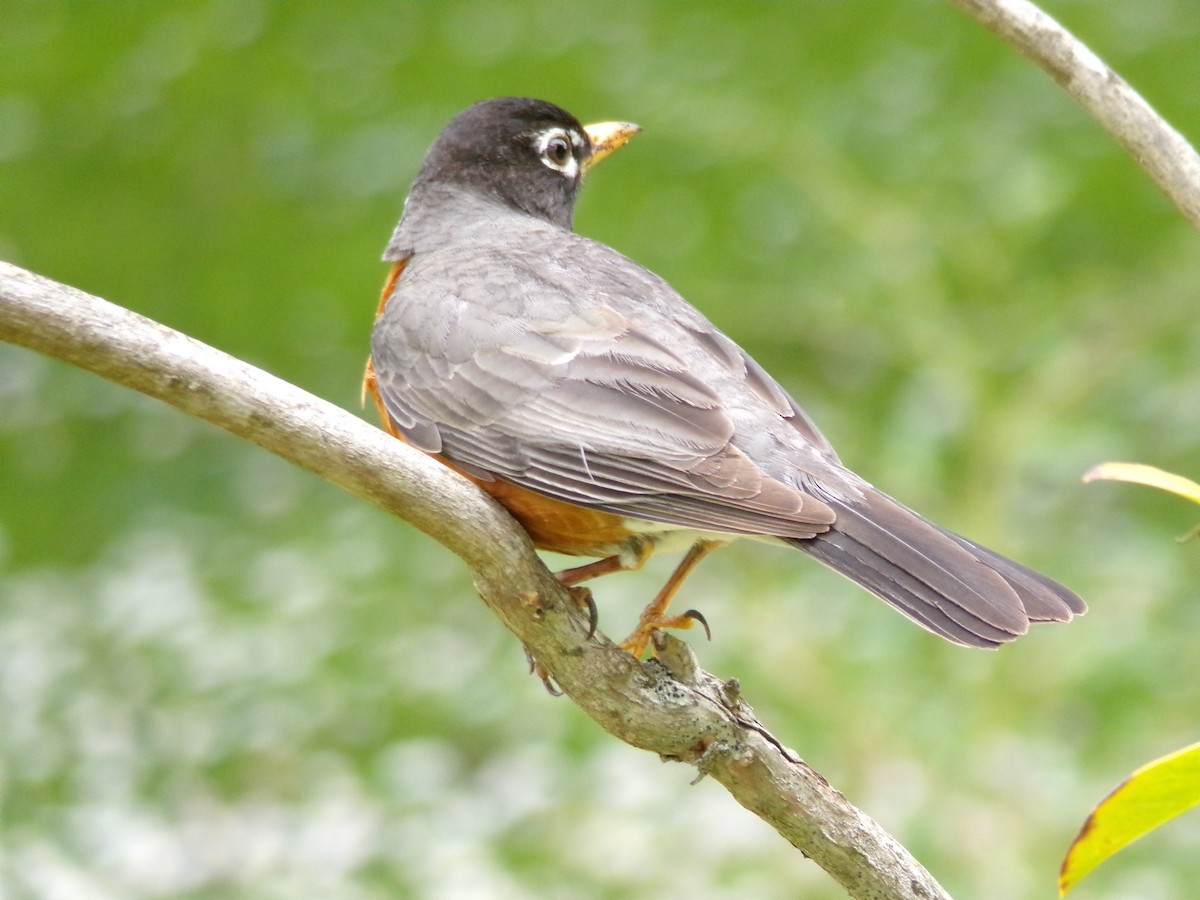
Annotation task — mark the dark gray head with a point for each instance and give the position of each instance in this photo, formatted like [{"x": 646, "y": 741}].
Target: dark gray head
[{"x": 527, "y": 154}]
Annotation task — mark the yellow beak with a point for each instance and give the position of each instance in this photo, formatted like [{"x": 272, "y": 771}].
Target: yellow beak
[{"x": 607, "y": 137}]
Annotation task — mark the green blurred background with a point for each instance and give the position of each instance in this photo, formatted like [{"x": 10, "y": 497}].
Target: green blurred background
[{"x": 220, "y": 677}]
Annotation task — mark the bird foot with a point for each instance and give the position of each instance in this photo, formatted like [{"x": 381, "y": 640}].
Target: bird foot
[
  {"x": 584, "y": 599},
  {"x": 536, "y": 668},
  {"x": 637, "y": 642}
]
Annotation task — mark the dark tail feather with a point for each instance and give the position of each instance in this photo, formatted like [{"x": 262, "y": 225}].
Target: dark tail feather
[{"x": 955, "y": 588}]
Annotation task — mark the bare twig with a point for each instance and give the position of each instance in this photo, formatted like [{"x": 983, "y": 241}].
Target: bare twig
[
  {"x": 670, "y": 708},
  {"x": 1159, "y": 149}
]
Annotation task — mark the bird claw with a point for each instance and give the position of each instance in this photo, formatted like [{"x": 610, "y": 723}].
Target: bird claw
[
  {"x": 696, "y": 616},
  {"x": 583, "y": 597},
  {"x": 536, "y": 668},
  {"x": 637, "y": 642}
]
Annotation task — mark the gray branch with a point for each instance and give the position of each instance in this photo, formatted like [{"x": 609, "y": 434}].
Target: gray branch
[
  {"x": 669, "y": 707},
  {"x": 1159, "y": 149}
]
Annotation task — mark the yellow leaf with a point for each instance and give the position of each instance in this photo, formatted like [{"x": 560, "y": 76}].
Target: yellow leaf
[
  {"x": 1150, "y": 796},
  {"x": 1136, "y": 473}
]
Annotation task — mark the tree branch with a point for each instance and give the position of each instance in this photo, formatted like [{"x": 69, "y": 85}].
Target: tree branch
[
  {"x": 669, "y": 707},
  {"x": 1159, "y": 149}
]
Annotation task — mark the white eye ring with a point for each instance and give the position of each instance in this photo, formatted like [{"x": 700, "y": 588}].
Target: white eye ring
[{"x": 556, "y": 150}]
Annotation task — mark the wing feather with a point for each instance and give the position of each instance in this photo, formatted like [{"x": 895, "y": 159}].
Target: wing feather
[{"x": 594, "y": 402}]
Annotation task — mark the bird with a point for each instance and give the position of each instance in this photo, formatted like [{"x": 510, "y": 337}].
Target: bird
[{"x": 609, "y": 416}]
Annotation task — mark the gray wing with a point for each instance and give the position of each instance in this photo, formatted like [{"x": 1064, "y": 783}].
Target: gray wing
[{"x": 611, "y": 393}]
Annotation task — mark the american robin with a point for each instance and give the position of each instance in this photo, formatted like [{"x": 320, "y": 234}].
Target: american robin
[{"x": 609, "y": 416}]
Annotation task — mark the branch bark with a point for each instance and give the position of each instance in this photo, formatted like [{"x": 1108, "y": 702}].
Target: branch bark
[
  {"x": 1161, "y": 151},
  {"x": 667, "y": 706}
]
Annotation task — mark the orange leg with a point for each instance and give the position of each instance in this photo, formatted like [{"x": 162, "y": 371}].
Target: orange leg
[
  {"x": 579, "y": 574},
  {"x": 654, "y": 615},
  {"x": 571, "y": 578}
]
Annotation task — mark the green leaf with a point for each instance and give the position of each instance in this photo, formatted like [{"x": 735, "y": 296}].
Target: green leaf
[
  {"x": 1136, "y": 473},
  {"x": 1153, "y": 794}
]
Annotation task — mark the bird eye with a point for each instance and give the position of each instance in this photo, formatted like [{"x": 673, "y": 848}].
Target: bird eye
[{"x": 557, "y": 151}]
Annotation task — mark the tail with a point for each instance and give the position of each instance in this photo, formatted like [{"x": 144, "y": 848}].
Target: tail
[{"x": 945, "y": 583}]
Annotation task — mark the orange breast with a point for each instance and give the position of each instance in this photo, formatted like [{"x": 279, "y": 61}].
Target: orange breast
[{"x": 558, "y": 526}]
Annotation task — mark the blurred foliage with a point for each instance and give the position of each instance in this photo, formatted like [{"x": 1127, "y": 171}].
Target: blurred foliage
[
  {"x": 220, "y": 677},
  {"x": 1160, "y": 790}
]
